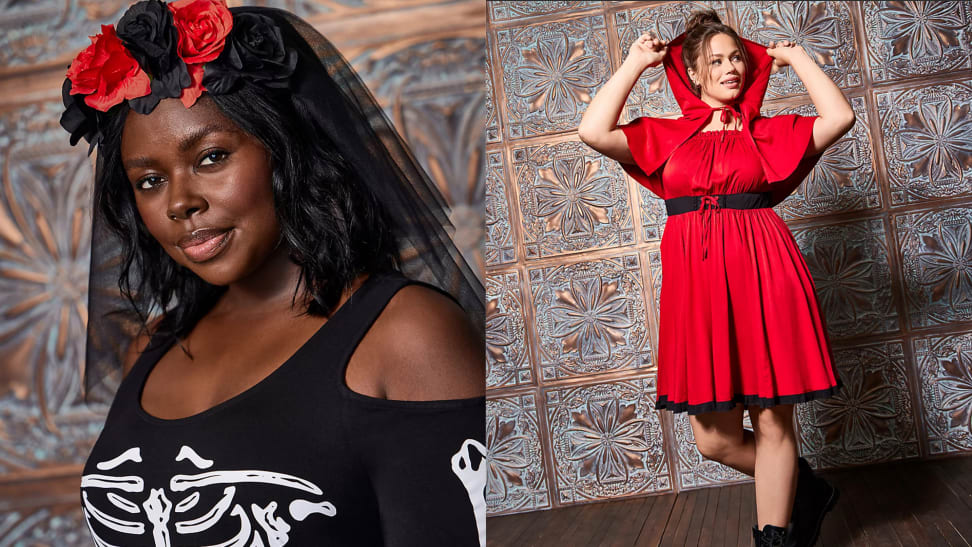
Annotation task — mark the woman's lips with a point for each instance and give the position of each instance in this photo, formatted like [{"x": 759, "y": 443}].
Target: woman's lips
[{"x": 204, "y": 246}]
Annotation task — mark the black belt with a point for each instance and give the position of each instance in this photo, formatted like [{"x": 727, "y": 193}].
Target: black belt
[{"x": 705, "y": 205}]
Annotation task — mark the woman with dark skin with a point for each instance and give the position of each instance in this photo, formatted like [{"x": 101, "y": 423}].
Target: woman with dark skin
[
  {"x": 193, "y": 169},
  {"x": 769, "y": 452},
  {"x": 288, "y": 377}
]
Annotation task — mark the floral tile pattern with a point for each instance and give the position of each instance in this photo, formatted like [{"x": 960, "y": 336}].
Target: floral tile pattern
[
  {"x": 550, "y": 72},
  {"x": 824, "y": 29},
  {"x": 843, "y": 179},
  {"x": 945, "y": 373},
  {"x": 503, "y": 10},
  {"x": 852, "y": 276},
  {"x": 44, "y": 258},
  {"x": 571, "y": 199},
  {"x": 499, "y": 247},
  {"x": 652, "y": 96},
  {"x": 590, "y": 317},
  {"x": 693, "y": 469},
  {"x": 507, "y": 354},
  {"x": 607, "y": 441},
  {"x": 870, "y": 419},
  {"x": 514, "y": 456},
  {"x": 936, "y": 248},
  {"x": 42, "y": 31},
  {"x": 929, "y": 148},
  {"x": 653, "y": 215},
  {"x": 493, "y": 133},
  {"x": 917, "y": 38}
]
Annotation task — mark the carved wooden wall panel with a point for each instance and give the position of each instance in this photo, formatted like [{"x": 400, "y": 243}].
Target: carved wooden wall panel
[
  {"x": 425, "y": 69},
  {"x": 572, "y": 245}
]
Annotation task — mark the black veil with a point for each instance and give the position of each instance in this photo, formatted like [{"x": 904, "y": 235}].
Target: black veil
[{"x": 329, "y": 94}]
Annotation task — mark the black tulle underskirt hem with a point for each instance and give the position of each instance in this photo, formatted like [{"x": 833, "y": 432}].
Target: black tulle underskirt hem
[{"x": 662, "y": 403}]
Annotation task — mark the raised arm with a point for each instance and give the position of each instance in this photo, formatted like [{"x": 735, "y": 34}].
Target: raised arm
[
  {"x": 599, "y": 126},
  {"x": 836, "y": 114}
]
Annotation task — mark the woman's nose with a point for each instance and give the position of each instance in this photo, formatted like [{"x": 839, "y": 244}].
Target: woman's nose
[{"x": 184, "y": 198}]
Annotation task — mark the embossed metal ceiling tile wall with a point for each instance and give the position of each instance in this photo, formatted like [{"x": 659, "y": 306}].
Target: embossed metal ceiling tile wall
[
  {"x": 571, "y": 199},
  {"x": 906, "y": 39},
  {"x": 500, "y": 246},
  {"x": 508, "y": 356},
  {"x": 930, "y": 156},
  {"x": 945, "y": 374},
  {"x": 826, "y": 31},
  {"x": 872, "y": 419},
  {"x": 517, "y": 479},
  {"x": 322, "y": 10},
  {"x": 494, "y": 133},
  {"x": 591, "y": 317},
  {"x": 606, "y": 441},
  {"x": 550, "y": 70},
  {"x": 516, "y": 12},
  {"x": 44, "y": 247},
  {"x": 850, "y": 264},
  {"x": 844, "y": 180},
  {"x": 46, "y": 34},
  {"x": 935, "y": 260}
]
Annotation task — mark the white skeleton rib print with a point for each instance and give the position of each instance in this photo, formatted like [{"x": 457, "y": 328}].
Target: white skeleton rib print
[{"x": 158, "y": 509}]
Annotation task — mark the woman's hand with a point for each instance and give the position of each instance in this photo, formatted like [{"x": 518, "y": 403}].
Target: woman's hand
[
  {"x": 647, "y": 51},
  {"x": 782, "y": 53}
]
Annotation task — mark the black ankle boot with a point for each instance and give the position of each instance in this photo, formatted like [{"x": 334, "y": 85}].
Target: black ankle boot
[
  {"x": 814, "y": 498},
  {"x": 771, "y": 536}
]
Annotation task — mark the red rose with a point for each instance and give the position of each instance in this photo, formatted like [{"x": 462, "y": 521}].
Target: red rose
[
  {"x": 202, "y": 26},
  {"x": 107, "y": 73},
  {"x": 191, "y": 93}
]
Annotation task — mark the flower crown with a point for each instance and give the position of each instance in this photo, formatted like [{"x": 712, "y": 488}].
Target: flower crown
[{"x": 175, "y": 50}]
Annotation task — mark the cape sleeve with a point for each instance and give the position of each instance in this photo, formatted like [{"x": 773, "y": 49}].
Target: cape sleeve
[
  {"x": 649, "y": 158},
  {"x": 781, "y": 143}
]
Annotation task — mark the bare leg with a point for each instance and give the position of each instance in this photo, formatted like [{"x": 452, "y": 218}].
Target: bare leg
[
  {"x": 776, "y": 464},
  {"x": 720, "y": 436}
]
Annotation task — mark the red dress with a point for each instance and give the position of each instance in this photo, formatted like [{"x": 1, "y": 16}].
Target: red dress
[{"x": 742, "y": 325}]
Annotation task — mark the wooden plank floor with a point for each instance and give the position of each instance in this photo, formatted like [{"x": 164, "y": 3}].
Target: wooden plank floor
[{"x": 923, "y": 503}]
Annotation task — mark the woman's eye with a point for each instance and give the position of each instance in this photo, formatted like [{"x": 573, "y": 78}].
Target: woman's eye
[
  {"x": 215, "y": 157},
  {"x": 146, "y": 183}
]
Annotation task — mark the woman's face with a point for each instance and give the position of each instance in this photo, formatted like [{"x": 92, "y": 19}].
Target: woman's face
[
  {"x": 202, "y": 187},
  {"x": 725, "y": 65}
]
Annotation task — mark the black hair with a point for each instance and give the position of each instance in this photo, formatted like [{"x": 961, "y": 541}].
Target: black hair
[
  {"x": 701, "y": 26},
  {"x": 333, "y": 225}
]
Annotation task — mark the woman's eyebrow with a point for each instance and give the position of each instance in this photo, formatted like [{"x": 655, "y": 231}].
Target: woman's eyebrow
[
  {"x": 730, "y": 53},
  {"x": 185, "y": 144}
]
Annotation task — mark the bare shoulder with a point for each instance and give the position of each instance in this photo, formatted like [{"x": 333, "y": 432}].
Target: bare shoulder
[{"x": 423, "y": 347}]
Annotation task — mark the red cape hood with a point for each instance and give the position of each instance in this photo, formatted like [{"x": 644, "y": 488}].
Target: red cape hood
[{"x": 779, "y": 142}]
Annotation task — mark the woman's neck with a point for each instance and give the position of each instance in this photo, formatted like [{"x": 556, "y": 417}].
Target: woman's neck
[{"x": 270, "y": 288}]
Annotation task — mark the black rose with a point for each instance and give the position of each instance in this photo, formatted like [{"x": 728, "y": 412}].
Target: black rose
[
  {"x": 147, "y": 31},
  {"x": 79, "y": 119},
  {"x": 255, "y": 50}
]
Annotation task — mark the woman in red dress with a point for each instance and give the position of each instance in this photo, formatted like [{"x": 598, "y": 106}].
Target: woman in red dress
[{"x": 739, "y": 321}]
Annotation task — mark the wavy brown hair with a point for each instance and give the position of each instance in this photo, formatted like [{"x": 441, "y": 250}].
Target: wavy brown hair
[{"x": 700, "y": 27}]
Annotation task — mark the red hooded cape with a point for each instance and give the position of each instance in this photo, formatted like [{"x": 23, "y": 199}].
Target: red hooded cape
[{"x": 779, "y": 142}]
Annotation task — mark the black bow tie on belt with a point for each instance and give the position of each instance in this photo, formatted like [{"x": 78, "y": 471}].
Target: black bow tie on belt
[{"x": 706, "y": 205}]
